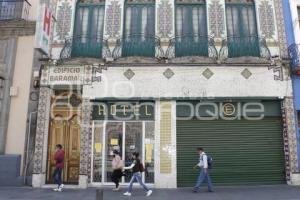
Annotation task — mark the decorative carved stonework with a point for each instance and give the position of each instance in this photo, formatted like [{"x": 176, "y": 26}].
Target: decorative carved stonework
[
  {"x": 266, "y": 17},
  {"x": 16, "y": 28},
  {"x": 216, "y": 18}
]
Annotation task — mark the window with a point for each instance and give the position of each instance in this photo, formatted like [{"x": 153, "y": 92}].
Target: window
[
  {"x": 191, "y": 29},
  {"x": 241, "y": 28},
  {"x": 13, "y": 9},
  {"x": 88, "y": 31},
  {"x": 298, "y": 10},
  {"x": 139, "y": 28}
]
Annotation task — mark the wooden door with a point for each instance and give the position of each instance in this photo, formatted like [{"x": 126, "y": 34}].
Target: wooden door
[{"x": 66, "y": 133}]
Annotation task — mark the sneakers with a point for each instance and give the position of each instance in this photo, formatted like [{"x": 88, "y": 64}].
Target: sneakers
[
  {"x": 57, "y": 189},
  {"x": 116, "y": 189},
  {"x": 127, "y": 194},
  {"x": 149, "y": 193}
]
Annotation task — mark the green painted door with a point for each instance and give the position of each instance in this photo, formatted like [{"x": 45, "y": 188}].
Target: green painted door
[{"x": 244, "y": 152}]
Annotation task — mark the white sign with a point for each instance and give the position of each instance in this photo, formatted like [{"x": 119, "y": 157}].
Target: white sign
[
  {"x": 43, "y": 29},
  {"x": 66, "y": 75}
]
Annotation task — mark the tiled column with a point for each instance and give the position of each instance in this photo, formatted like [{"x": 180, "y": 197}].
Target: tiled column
[
  {"x": 165, "y": 25},
  {"x": 290, "y": 141},
  {"x": 41, "y": 140},
  {"x": 216, "y": 21},
  {"x": 165, "y": 137},
  {"x": 85, "y": 149},
  {"x": 282, "y": 41},
  {"x": 63, "y": 27},
  {"x": 267, "y": 28},
  {"x": 113, "y": 24}
]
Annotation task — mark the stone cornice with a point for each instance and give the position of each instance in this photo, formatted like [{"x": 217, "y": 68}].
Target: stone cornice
[{"x": 14, "y": 28}]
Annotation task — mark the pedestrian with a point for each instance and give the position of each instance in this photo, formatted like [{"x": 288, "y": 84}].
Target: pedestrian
[
  {"x": 137, "y": 169},
  {"x": 204, "y": 171},
  {"x": 117, "y": 166},
  {"x": 59, "y": 165}
]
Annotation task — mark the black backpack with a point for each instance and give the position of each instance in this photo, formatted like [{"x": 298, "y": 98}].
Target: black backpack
[{"x": 210, "y": 162}]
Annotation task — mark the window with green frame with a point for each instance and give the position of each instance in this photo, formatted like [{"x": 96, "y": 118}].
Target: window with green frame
[
  {"x": 88, "y": 30},
  {"x": 241, "y": 28},
  {"x": 191, "y": 28},
  {"x": 139, "y": 28}
]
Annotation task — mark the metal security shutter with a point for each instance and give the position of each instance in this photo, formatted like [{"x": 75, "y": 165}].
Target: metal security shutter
[{"x": 244, "y": 152}]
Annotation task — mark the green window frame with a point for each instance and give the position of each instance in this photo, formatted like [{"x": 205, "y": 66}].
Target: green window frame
[
  {"x": 88, "y": 29},
  {"x": 191, "y": 28},
  {"x": 139, "y": 28},
  {"x": 242, "y": 28}
]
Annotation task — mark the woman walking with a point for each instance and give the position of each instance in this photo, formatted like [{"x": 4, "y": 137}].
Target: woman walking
[
  {"x": 117, "y": 165},
  {"x": 137, "y": 168}
]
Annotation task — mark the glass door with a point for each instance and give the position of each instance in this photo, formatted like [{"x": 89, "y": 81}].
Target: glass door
[
  {"x": 114, "y": 140},
  {"x": 133, "y": 143}
]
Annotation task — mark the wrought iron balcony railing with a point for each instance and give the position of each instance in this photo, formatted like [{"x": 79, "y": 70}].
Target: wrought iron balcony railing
[
  {"x": 14, "y": 9},
  {"x": 81, "y": 46},
  {"x": 136, "y": 45},
  {"x": 191, "y": 45},
  {"x": 246, "y": 46},
  {"x": 294, "y": 54}
]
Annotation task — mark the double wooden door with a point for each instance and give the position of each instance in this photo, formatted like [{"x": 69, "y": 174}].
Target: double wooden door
[{"x": 66, "y": 133}]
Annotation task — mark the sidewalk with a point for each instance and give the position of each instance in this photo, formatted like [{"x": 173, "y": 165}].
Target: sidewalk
[{"x": 278, "y": 192}]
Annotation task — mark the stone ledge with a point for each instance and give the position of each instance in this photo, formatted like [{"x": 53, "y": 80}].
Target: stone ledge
[{"x": 17, "y": 28}]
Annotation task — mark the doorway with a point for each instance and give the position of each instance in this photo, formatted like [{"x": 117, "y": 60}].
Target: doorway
[{"x": 125, "y": 137}]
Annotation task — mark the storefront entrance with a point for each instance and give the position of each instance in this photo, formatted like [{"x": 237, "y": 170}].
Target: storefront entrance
[
  {"x": 65, "y": 130},
  {"x": 126, "y": 137}
]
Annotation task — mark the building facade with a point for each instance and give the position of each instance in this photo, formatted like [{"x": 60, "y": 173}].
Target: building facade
[
  {"x": 18, "y": 93},
  {"x": 292, "y": 13},
  {"x": 163, "y": 78}
]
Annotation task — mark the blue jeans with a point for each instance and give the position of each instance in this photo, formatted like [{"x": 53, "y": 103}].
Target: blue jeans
[
  {"x": 57, "y": 176},
  {"x": 138, "y": 178},
  {"x": 201, "y": 178}
]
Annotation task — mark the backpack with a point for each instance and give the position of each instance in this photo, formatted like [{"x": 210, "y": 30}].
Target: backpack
[
  {"x": 141, "y": 167},
  {"x": 210, "y": 162}
]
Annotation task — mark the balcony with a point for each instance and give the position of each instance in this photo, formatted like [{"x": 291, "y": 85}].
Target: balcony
[
  {"x": 294, "y": 54},
  {"x": 81, "y": 46},
  {"x": 191, "y": 45},
  {"x": 137, "y": 45},
  {"x": 14, "y": 9},
  {"x": 243, "y": 46}
]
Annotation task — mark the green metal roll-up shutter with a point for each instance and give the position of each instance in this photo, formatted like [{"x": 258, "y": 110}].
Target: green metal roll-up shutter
[{"x": 244, "y": 152}]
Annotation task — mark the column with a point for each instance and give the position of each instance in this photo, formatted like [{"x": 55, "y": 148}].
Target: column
[{"x": 41, "y": 139}]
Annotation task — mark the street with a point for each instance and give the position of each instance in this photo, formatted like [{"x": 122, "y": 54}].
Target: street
[{"x": 276, "y": 192}]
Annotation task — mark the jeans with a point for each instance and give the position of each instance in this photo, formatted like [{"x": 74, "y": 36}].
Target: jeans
[
  {"x": 57, "y": 176},
  {"x": 137, "y": 177},
  {"x": 201, "y": 178}
]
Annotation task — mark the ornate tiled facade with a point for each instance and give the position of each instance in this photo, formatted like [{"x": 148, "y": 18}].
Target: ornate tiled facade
[
  {"x": 266, "y": 19},
  {"x": 85, "y": 151},
  {"x": 113, "y": 19},
  {"x": 165, "y": 19},
  {"x": 216, "y": 18},
  {"x": 42, "y": 129}
]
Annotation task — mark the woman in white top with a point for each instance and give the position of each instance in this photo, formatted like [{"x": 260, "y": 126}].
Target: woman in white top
[{"x": 117, "y": 166}]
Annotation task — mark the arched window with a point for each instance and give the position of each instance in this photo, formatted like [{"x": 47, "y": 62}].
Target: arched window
[
  {"x": 88, "y": 29},
  {"x": 242, "y": 28},
  {"x": 139, "y": 28},
  {"x": 191, "y": 28}
]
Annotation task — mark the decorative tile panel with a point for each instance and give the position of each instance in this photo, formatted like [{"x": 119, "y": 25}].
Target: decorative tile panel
[
  {"x": 281, "y": 28},
  {"x": 278, "y": 72},
  {"x": 42, "y": 128},
  {"x": 165, "y": 19},
  {"x": 63, "y": 25},
  {"x": 266, "y": 19},
  {"x": 129, "y": 74},
  {"x": 289, "y": 135},
  {"x": 113, "y": 19},
  {"x": 168, "y": 73},
  {"x": 86, "y": 132},
  {"x": 216, "y": 18},
  {"x": 207, "y": 73},
  {"x": 165, "y": 138},
  {"x": 246, "y": 73}
]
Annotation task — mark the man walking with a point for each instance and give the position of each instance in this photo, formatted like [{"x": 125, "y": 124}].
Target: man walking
[
  {"x": 59, "y": 160},
  {"x": 204, "y": 175}
]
